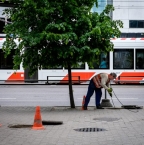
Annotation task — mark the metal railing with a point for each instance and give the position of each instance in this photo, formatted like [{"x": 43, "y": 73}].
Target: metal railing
[
  {"x": 64, "y": 81},
  {"x": 120, "y": 81}
]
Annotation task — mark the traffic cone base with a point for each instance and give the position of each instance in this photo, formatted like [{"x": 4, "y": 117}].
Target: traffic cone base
[
  {"x": 37, "y": 120},
  {"x": 38, "y": 128}
]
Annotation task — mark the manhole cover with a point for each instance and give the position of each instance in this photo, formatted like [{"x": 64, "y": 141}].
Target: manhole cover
[
  {"x": 90, "y": 129},
  {"x": 107, "y": 119}
]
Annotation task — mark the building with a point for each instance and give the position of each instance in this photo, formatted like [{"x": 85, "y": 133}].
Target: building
[{"x": 130, "y": 12}]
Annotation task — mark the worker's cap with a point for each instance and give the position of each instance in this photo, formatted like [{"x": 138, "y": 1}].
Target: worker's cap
[{"x": 114, "y": 75}]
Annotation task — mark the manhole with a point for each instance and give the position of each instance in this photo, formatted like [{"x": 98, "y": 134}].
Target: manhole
[
  {"x": 107, "y": 119},
  {"x": 44, "y": 122},
  {"x": 20, "y": 126},
  {"x": 90, "y": 129}
]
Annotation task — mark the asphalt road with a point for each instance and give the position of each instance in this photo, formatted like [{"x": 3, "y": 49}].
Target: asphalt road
[{"x": 58, "y": 95}]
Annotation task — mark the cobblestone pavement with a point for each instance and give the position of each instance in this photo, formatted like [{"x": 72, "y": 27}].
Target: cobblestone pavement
[{"x": 90, "y": 127}]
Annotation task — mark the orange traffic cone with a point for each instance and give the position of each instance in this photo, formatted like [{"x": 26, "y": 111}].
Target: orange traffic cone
[
  {"x": 37, "y": 120},
  {"x": 83, "y": 102}
]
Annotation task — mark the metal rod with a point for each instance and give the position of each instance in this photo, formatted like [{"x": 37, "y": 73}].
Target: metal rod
[{"x": 105, "y": 94}]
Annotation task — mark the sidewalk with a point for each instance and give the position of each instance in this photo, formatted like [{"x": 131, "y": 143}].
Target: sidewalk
[{"x": 101, "y": 127}]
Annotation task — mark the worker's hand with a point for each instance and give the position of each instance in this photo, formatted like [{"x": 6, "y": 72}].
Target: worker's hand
[{"x": 109, "y": 90}]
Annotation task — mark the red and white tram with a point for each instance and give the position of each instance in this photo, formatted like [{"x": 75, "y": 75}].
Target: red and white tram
[{"x": 127, "y": 60}]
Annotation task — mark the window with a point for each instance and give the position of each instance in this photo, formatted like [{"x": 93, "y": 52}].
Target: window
[
  {"x": 80, "y": 65},
  {"x": 103, "y": 62},
  {"x": 132, "y": 35},
  {"x": 6, "y": 63},
  {"x": 123, "y": 35},
  {"x": 2, "y": 24},
  {"x": 139, "y": 58},
  {"x": 123, "y": 59},
  {"x": 101, "y": 6},
  {"x": 136, "y": 23},
  {"x": 60, "y": 67}
]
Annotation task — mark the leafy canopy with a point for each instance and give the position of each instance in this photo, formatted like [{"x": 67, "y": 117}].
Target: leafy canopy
[{"x": 58, "y": 32}]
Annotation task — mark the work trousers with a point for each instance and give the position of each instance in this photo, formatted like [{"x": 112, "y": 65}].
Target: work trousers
[{"x": 98, "y": 94}]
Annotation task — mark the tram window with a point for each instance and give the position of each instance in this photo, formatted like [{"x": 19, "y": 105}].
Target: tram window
[
  {"x": 139, "y": 58},
  {"x": 6, "y": 63},
  {"x": 123, "y": 59},
  {"x": 59, "y": 67},
  {"x": 2, "y": 24},
  {"x": 80, "y": 65},
  {"x": 103, "y": 62},
  {"x": 8, "y": 21}
]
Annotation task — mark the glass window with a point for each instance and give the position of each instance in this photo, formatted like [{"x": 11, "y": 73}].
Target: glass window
[
  {"x": 2, "y": 24},
  {"x": 139, "y": 58},
  {"x": 140, "y": 24},
  {"x": 123, "y": 59},
  {"x": 8, "y": 21},
  {"x": 80, "y": 65},
  {"x": 103, "y": 62},
  {"x": 136, "y": 23},
  {"x": 101, "y": 6},
  {"x": 60, "y": 67},
  {"x": 6, "y": 63}
]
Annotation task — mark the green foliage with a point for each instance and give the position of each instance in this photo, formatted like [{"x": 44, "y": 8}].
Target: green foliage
[{"x": 58, "y": 33}]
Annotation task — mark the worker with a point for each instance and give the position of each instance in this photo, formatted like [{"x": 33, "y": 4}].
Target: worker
[{"x": 98, "y": 82}]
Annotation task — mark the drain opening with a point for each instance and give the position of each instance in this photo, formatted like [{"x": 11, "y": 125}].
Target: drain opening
[
  {"x": 90, "y": 129},
  {"x": 44, "y": 122},
  {"x": 20, "y": 126}
]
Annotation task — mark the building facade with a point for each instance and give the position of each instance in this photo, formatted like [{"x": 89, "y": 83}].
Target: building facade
[{"x": 130, "y": 12}]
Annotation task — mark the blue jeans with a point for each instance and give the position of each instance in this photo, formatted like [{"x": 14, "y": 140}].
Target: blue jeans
[{"x": 98, "y": 94}]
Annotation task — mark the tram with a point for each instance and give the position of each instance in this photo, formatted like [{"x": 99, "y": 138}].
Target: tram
[{"x": 127, "y": 61}]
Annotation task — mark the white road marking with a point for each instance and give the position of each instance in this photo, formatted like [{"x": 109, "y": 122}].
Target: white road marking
[
  {"x": 7, "y": 98},
  {"x": 38, "y": 100},
  {"x": 116, "y": 98},
  {"x": 127, "y": 98}
]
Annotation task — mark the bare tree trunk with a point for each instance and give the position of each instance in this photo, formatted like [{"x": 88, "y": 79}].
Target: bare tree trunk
[{"x": 70, "y": 87}]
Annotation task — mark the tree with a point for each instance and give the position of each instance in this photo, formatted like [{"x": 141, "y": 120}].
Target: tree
[{"x": 58, "y": 33}]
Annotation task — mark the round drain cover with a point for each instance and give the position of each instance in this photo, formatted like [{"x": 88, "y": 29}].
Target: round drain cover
[
  {"x": 107, "y": 119},
  {"x": 90, "y": 129}
]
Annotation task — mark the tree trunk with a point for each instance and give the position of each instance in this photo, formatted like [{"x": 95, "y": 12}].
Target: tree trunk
[{"x": 70, "y": 87}]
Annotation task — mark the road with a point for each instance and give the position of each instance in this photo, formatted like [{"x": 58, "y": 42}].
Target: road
[{"x": 58, "y": 95}]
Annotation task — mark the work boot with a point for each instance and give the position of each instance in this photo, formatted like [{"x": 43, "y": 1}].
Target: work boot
[{"x": 99, "y": 107}]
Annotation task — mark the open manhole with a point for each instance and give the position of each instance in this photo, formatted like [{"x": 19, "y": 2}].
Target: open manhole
[
  {"x": 90, "y": 129},
  {"x": 107, "y": 119},
  {"x": 44, "y": 122},
  {"x": 20, "y": 126}
]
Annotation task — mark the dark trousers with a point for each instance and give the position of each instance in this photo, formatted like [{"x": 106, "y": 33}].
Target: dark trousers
[{"x": 98, "y": 94}]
